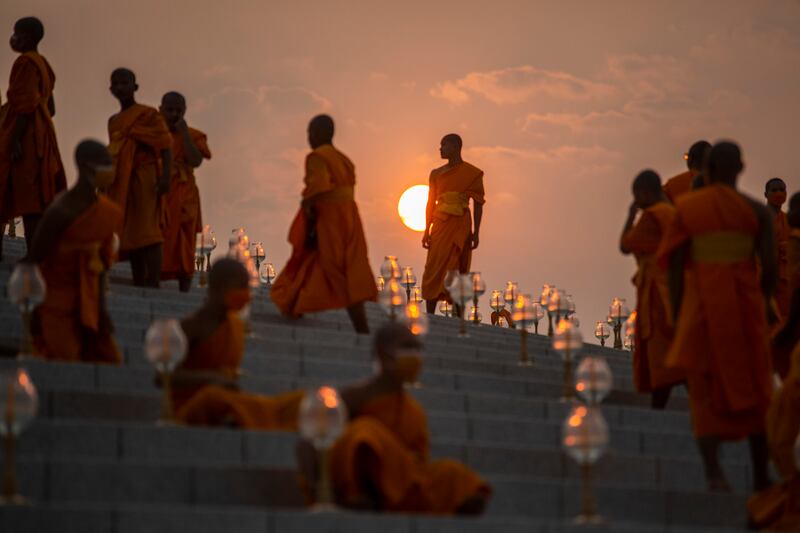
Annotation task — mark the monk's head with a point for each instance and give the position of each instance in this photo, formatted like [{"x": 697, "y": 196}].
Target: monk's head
[
  {"x": 696, "y": 155},
  {"x": 123, "y": 84},
  {"x": 173, "y": 107},
  {"x": 794, "y": 211},
  {"x": 95, "y": 167},
  {"x": 775, "y": 192},
  {"x": 320, "y": 131},
  {"x": 450, "y": 146},
  {"x": 399, "y": 352},
  {"x": 647, "y": 189},
  {"x": 228, "y": 285},
  {"x": 28, "y": 32},
  {"x": 724, "y": 163}
]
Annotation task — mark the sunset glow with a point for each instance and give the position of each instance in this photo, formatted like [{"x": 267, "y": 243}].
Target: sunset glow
[{"x": 411, "y": 207}]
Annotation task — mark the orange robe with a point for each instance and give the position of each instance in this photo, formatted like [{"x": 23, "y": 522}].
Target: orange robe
[
  {"x": 28, "y": 185},
  {"x": 781, "y": 356},
  {"x": 653, "y": 315},
  {"x": 213, "y": 405},
  {"x": 721, "y": 335},
  {"x": 394, "y": 428},
  {"x": 450, "y": 249},
  {"x": 137, "y": 135},
  {"x": 335, "y": 273},
  {"x": 68, "y": 324},
  {"x": 679, "y": 185},
  {"x": 778, "y": 507},
  {"x": 782, "y": 294},
  {"x": 183, "y": 219}
]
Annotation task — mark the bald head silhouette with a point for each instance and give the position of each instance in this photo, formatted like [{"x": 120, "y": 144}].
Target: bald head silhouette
[
  {"x": 227, "y": 274},
  {"x": 173, "y": 107},
  {"x": 647, "y": 189},
  {"x": 724, "y": 163},
  {"x": 28, "y": 33},
  {"x": 696, "y": 156},
  {"x": 320, "y": 131}
]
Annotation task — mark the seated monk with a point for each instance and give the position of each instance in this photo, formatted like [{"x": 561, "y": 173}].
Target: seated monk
[
  {"x": 205, "y": 385},
  {"x": 653, "y": 318},
  {"x": 778, "y": 507},
  {"x": 74, "y": 248},
  {"x": 684, "y": 182},
  {"x": 382, "y": 460},
  {"x": 789, "y": 335}
]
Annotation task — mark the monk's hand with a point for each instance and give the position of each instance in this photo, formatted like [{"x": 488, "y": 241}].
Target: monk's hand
[
  {"x": 181, "y": 125},
  {"x": 475, "y": 240},
  {"x": 15, "y": 149},
  {"x": 426, "y": 240}
]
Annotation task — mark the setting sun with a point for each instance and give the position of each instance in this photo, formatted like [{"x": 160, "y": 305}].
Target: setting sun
[{"x": 411, "y": 207}]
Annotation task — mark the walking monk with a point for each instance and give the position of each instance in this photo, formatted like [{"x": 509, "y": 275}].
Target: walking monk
[
  {"x": 653, "y": 316},
  {"x": 451, "y": 232},
  {"x": 713, "y": 247},
  {"x": 206, "y": 390},
  {"x": 682, "y": 183},
  {"x": 775, "y": 193},
  {"x": 328, "y": 268},
  {"x": 140, "y": 145},
  {"x": 789, "y": 334},
  {"x": 382, "y": 460},
  {"x": 778, "y": 507},
  {"x": 75, "y": 249},
  {"x": 31, "y": 172},
  {"x": 182, "y": 202}
]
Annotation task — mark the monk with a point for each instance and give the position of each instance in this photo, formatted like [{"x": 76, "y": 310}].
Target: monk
[
  {"x": 653, "y": 316},
  {"x": 778, "y": 507},
  {"x": 719, "y": 297},
  {"x": 328, "y": 268},
  {"x": 682, "y": 183},
  {"x": 382, "y": 460},
  {"x": 789, "y": 334},
  {"x": 31, "y": 172},
  {"x": 205, "y": 385},
  {"x": 74, "y": 249},
  {"x": 451, "y": 232},
  {"x": 140, "y": 145},
  {"x": 182, "y": 202},
  {"x": 775, "y": 193}
]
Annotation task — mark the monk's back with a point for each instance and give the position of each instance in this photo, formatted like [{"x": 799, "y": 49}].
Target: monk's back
[
  {"x": 342, "y": 170},
  {"x": 717, "y": 208},
  {"x": 220, "y": 351}
]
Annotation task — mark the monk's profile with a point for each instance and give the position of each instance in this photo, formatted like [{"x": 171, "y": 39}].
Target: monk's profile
[
  {"x": 31, "y": 172},
  {"x": 720, "y": 249},
  {"x": 329, "y": 267},
  {"x": 684, "y": 182},
  {"x": 775, "y": 193},
  {"x": 653, "y": 317},
  {"x": 75, "y": 250},
  {"x": 183, "y": 219},
  {"x": 139, "y": 142},
  {"x": 451, "y": 230}
]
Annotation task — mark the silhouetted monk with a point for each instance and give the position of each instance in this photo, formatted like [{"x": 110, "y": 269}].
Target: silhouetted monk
[
  {"x": 140, "y": 145},
  {"x": 451, "y": 232},
  {"x": 206, "y": 390},
  {"x": 382, "y": 460},
  {"x": 328, "y": 268},
  {"x": 182, "y": 202},
  {"x": 683, "y": 182},
  {"x": 713, "y": 247},
  {"x": 31, "y": 172},
  {"x": 789, "y": 334},
  {"x": 653, "y": 317},
  {"x": 74, "y": 248},
  {"x": 775, "y": 193}
]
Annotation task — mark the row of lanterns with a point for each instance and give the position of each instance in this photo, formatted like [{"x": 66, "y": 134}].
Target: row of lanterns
[{"x": 238, "y": 244}]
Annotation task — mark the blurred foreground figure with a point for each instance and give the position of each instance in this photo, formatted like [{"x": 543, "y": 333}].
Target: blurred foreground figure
[
  {"x": 714, "y": 247},
  {"x": 205, "y": 385},
  {"x": 653, "y": 317},
  {"x": 139, "y": 142},
  {"x": 31, "y": 172},
  {"x": 451, "y": 233},
  {"x": 74, "y": 247},
  {"x": 382, "y": 461},
  {"x": 775, "y": 193},
  {"x": 182, "y": 220},
  {"x": 328, "y": 268},
  {"x": 679, "y": 185},
  {"x": 789, "y": 334}
]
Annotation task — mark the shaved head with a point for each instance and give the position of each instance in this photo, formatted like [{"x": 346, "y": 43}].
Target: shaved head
[
  {"x": 91, "y": 152},
  {"x": 227, "y": 274},
  {"x": 123, "y": 73},
  {"x": 647, "y": 181},
  {"x": 696, "y": 155},
  {"x": 724, "y": 163},
  {"x": 391, "y": 336},
  {"x": 320, "y": 131},
  {"x": 453, "y": 138},
  {"x": 774, "y": 181},
  {"x": 173, "y": 98},
  {"x": 30, "y": 27}
]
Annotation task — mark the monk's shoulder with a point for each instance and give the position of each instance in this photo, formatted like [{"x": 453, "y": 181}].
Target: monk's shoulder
[
  {"x": 762, "y": 212},
  {"x": 196, "y": 134},
  {"x": 472, "y": 169},
  {"x": 439, "y": 171},
  {"x": 111, "y": 211}
]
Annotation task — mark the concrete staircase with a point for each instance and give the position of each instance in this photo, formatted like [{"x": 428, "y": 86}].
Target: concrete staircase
[{"x": 96, "y": 461}]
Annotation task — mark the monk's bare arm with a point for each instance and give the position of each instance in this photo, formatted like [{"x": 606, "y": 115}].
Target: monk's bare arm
[
  {"x": 166, "y": 171},
  {"x": 51, "y": 106},
  {"x": 193, "y": 155},
  {"x": 15, "y": 142},
  {"x": 677, "y": 261},
  {"x": 632, "y": 210},
  {"x": 478, "y": 215},
  {"x": 766, "y": 250},
  {"x": 429, "y": 207}
]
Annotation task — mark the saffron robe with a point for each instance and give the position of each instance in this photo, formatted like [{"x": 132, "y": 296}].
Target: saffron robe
[
  {"x": 653, "y": 315},
  {"x": 781, "y": 355},
  {"x": 136, "y": 137},
  {"x": 183, "y": 219},
  {"x": 451, "y": 227},
  {"x": 334, "y": 273},
  {"x": 68, "y": 324},
  {"x": 677, "y": 186},
  {"x": 214, "y": 405},
  {"x": 394, "y": 428},
  {"x": 721, "y": 335},
  {"x": 29, "y": 185}
]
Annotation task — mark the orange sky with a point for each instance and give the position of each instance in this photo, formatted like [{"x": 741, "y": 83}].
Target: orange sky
[{"x": 561, "y": 103}]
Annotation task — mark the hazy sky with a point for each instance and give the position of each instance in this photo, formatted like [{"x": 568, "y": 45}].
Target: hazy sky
[{"x": 561, "y": 103}]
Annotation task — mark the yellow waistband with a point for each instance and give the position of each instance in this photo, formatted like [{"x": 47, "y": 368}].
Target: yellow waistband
[
  {"x": 722, "y": 247},
  {"x": 452, "y": 203},
  {"x": 339, "y": 194},
  {"x": 91, "y": 249}
]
